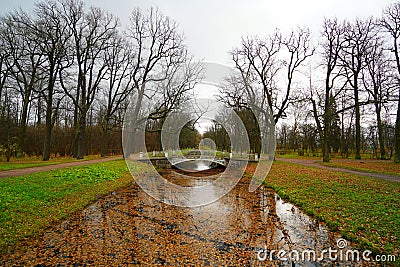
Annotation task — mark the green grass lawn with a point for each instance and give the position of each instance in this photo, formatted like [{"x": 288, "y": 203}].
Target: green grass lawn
[
  {"x": 364, "y": 210},
  {"x": 31, "y": 203},
  {"x": 37, "y": 162},
  {"x": 374, "y": 166},
  {"x": 295, "y": 155},
  {"x": 289, "y": 154}
]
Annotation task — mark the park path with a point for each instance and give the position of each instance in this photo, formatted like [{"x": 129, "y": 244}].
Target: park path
[
  {"x": 317, "y": 164},
  {"x": 24, "y": 171}
]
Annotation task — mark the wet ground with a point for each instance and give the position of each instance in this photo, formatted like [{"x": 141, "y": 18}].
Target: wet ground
[{"x": 130, "y": 228}]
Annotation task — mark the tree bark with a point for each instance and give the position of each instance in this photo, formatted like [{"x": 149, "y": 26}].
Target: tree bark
[
  {"x": 22, "y": 127},
  {"x": 326, "y": 148},
  {"x": 358, "y": 121},
  {"x": 397, "y": 135},
  {"x": 380, "y": 132},
  {"x": 104, "y": 142},
  {"x": 49, "y": 113},
  {"x": 49, "y": 126},
  {"x": 81, "y": 137}
]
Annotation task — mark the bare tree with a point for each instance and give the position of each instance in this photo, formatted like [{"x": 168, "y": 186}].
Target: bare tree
[
  {"x": 299, "y": 49},
  {"x": 6, "y": 62},
  {"x": 52, "y": 36},
  {"x": 26, "y": 59},
  {"x": 7, "y": 119},
  {"x": 91, "y": 32},
  {"x": 357, "y": 39},
  {"x": 118, "y": 86},
  {"x": 258, "y": 63},
  {"x": 390, "y": 22},
  {"x": 378, "y": 80},
  {"x": 332, "y": 45},
  {"x": 159, "y": 49},
  {"x": 176, "y": 90}
]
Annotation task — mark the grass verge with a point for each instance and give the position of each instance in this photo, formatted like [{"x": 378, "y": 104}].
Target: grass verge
[
  {"x": 364, "y": 210},
  {"x": 386, "y": 167},
  {"x": 31, "y": 203},
  {"x": 297, "y": 156},
  {"x": 29, "y": 162}
]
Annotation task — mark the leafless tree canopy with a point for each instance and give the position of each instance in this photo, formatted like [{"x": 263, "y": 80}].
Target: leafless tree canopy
[
  {"x": 259, "y": 62},
  {"x": 77, "y": 67},
  {"x": 70, "y": 71}
]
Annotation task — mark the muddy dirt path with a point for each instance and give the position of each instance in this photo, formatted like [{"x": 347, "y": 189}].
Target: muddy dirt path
[
  {"x": 128, "y": 228},
  {"x": 24, "y": 171}
]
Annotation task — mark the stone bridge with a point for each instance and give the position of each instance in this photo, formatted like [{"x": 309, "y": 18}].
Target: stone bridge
[{"x": 188, "y": 164}]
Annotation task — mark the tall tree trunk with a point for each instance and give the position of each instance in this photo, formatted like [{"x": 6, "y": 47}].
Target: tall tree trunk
[
  {"x": 8, "y": 151},
  {"x": 380, "y": 132},
  {"x": 104, "y": 142},
  {"x": 49, "y": 126},
  {"x": 49, "y": 113},
  {"x": 397, "y": 129},
  {"x": 81, "y": 136},
  {"x": 22, "y": 127},
  {"x": 342, "y": 132},
  {"x": 323, "y": 130},
  {"x": 76, "y": 133},
  {"x": 39, "y": 111},
  {"x": 132, "y": 140},
  {"x": 104, "y": 135},
  {"x": 358, "y": 126},
  {"x": 397, "y": 134},
  {"x": 326, "y": 148},
  {"x": 327, "y": 119}
]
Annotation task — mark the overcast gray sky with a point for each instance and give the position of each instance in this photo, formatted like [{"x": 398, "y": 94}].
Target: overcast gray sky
[{"x": 213, "y": 27}]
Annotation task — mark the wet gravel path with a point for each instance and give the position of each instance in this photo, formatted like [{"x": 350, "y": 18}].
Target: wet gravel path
[
  {"x": 129, "y": 228},
  {"x": 24, "y": 171},
  {"x": 316, "y": 164}
]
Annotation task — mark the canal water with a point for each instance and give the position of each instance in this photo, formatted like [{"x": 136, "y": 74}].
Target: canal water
[{"x": 129, "y": 227}]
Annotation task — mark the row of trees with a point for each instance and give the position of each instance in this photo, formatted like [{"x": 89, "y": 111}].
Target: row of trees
[
  {"x": 70, "y": 72},
  {"x": 74, "y": 68},
  {"x": 304, "y": 139},
  {"x": 354, "y": 68}
]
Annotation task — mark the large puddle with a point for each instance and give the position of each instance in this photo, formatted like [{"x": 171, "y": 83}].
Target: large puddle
[{"x": 241, "y": 229}]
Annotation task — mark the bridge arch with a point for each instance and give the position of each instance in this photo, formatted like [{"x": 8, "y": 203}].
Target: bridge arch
[{"x": 195, "y": 165}]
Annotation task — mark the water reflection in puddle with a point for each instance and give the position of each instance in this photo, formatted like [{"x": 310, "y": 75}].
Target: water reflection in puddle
[{"x": 130, "y": 228}]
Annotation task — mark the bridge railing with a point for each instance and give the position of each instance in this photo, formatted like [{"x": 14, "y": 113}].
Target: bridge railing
[{"x": 193, "y": 154}]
